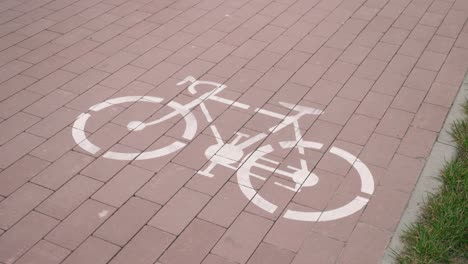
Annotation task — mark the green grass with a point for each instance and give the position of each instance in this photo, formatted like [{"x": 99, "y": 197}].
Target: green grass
[{"x": 441, "y": 233}]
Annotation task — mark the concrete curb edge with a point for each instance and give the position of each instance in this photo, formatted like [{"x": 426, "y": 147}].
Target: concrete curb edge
[{"x": 442, "y": 151}]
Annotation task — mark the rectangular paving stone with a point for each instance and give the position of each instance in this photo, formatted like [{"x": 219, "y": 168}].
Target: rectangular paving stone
[
  {"x": 13, "y": 68},
  {"x": 274, "y": 80},
  {"x": 72, "y": 36},
  {"x": 225, "y": 206},
  {"x": 19, "y": 173},
  {"x": 145, "y": 248},
  {"x": 85, "y": 62},
  {"x": 15, "y": 125},
  {"x": 379, "y": 150},
  {"x": 402, "y": 174},
  {"x": 179, "y": 211},
  {"x": 197, "y": 68},
  {"x": 441, "y": 94},
  {"x": 116, "y": 61},
  {"x": 293, "y": 60},
  {"x": 44, "y": 253},
  {"x": 18, "y": 204},
  {"x": 290, "y": 234},
  {"x": 55, "y": 122},
  {"x": 308, "y": 75},
  {"x": 71, "y": 195},
  {"x": 85, "y": 81},
  {"x": 14, "y": 85},
  {"x": 389, "y": 83},
  {"x": 322, "y": 92},
  {"x": 430, "y": 117},
  {"x": 38, "y": 40},
  {"x": 107, "y": 33},
  {"x": 243, "y": 80},
  {"x": 17, "y": 102},
  {"x": 383, "y": 51},
  {"x": 320, "y": 249},
  {"x": 124, "y": 185},
  {"x": 192, "y": 156},
  {"x": 103, "y": 169},
  {"x": 333, "y": 163},
  {"x": 93, "y": 250},
  {"x": 339, "y": 110},
  {"x": 46, "y": 67},
  {"x": 208, "y": 38},
  {"x": 140, "y": 29},
  {"x": 263, "y": 61},
  {"x": 22, "y": 236},
  {"x": 184, "y": 55},
  {"x": 339, "y": 229},
  {"x": 238, "y": 36},
  {"x": 371, "y": 69},
  {"x": 385, "y": 208},
  {"x": 36, "y": 27},
  {"x": 11, "y": 39},
  {"x": 151, "y": 58},
  {"x": 165, "y": 183},
  {"x": 323, "y": 132},
  {"x": 356, "y": 89},
  {"x": 42, "y": 53},
  {"x": 72, "y": 231},
  {"x": 228, "y": 66},
  {"x": 17, "y": 148},
  {"x": 214, "y": 259},
  {"x": 401, "y": 64},
  {"x": 62, "y": 170},
  {"x": 107, "y": 136},
  {"x": 420, "y": 79},
  {"x": 408, "y": 99},
  {"x": 123, "y": 77},
  {"x": 242, "y": 237},
  {"x": 144, "y": 44},
  {"x": 267, "y": 253},
  {"x": 211, "y": 185},
  {"x": 127, "y": 221},
  {"x": 56, "y": 146},
  {"x": 94, "y": 95},
  {"x": 78, "y": 49},
  {"x": 194, "y": 243},
  {"x": 270, "y": 191},
  {"x": 249, "y": 49},
  {"x": 50, "y": 103},
  {"x": 358, "y": 129},
  {"x": 395, "y": 123},
  {"x": 159, "y": 73},
  {"x": 374, "y": 105},
  {"x": 339, "y": 72},
  {"x": 417, "y": 143},
  {"x": 366, "y": 244}
]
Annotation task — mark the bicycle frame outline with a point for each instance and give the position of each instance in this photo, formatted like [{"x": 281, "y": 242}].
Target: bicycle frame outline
[{"x": 234, "y": 152}]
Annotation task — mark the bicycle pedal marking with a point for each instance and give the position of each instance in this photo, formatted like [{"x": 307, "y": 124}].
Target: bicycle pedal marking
[{"x": 233, "y": 155}]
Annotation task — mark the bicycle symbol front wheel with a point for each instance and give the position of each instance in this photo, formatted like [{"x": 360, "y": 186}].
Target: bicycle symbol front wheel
[
  {"x": 366, "y": 178},
  {"x": 79, "y": 135}
]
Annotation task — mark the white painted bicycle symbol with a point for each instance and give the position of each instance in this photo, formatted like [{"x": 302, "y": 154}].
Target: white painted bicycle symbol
[{"x": 232, "y": 155}]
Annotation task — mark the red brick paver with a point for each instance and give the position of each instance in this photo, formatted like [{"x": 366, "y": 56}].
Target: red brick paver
[{"x": 237, "y": 177}]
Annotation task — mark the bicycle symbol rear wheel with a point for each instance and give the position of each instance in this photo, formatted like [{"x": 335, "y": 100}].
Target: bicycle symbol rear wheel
[
  {"x": 79, "y": 135},
  {"x": 366, "y": 178}
]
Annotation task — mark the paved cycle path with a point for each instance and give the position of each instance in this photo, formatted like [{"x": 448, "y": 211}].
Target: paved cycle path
[{"x": 218, "y": 131}]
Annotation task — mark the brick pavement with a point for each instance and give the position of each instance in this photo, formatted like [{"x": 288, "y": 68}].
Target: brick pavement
[{"x": 250, "y": 172}]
